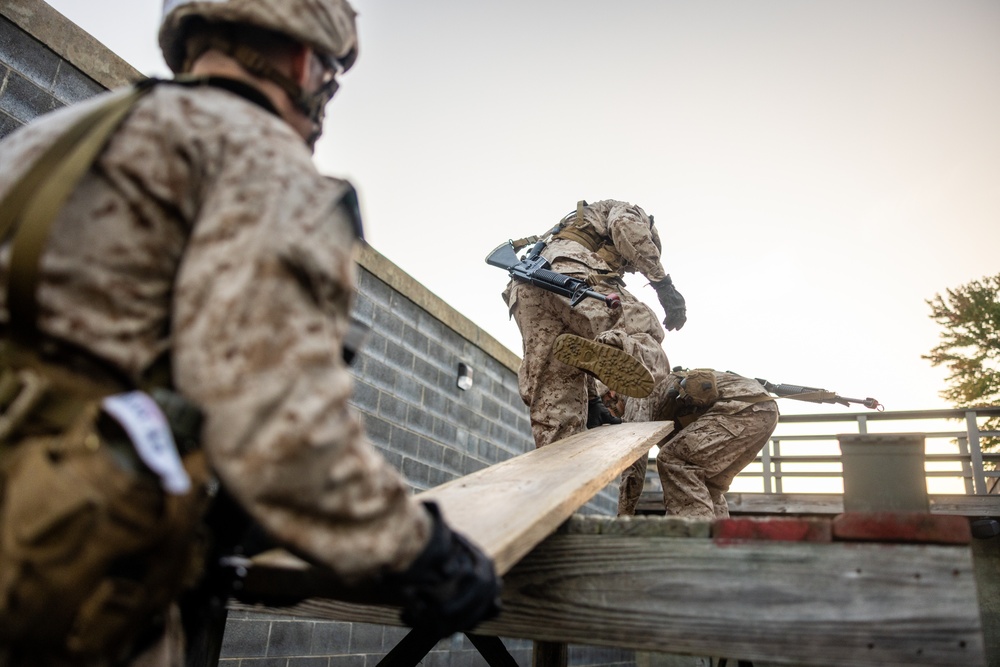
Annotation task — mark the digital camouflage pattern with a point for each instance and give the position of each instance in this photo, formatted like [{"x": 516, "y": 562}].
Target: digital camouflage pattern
[
  {"x": 699, "y": 462},
  {"x": 555, "y": 393},
  {"x": 205, "y": 230}
]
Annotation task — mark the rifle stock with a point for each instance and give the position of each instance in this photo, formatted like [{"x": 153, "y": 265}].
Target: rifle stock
[{"x": 534, "y": 269}]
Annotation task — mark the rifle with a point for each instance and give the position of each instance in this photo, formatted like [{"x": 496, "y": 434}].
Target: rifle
[
  {"x": 534, "y": 269},
  {"x": 815, "y": 395}
]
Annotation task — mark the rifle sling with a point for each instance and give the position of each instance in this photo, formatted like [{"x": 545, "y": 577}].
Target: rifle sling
[{"x": 811, "y": 396}]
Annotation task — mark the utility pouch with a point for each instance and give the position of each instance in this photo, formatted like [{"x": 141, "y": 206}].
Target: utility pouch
[{"x": 94, "y": 543}]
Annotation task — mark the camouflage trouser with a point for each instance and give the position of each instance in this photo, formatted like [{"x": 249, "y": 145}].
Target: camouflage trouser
[
  {"x": 698, "y": 464},
  {"x": 555, "y": 393}
]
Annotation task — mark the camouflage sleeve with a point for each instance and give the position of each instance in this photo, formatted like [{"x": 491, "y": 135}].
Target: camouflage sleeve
[
  {"x": 261, "y": 309},
  {"x": 632, "y": 235}
]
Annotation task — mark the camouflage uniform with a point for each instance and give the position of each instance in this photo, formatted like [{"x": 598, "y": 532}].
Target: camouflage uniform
[
  {"x": 204, "y": 230},
  {"x": 709, "y": 448},
  {"x": 555, "y": 393}
]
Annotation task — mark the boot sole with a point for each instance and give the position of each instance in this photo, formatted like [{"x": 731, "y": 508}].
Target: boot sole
[{"x": 621, "y": 372}]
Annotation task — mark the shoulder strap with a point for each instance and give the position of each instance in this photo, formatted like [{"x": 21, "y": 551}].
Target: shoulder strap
[{"x": 34, "y": 201}]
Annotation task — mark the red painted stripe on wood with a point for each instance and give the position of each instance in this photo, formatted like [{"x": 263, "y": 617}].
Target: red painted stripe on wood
[{"x": 902, "y": 527}]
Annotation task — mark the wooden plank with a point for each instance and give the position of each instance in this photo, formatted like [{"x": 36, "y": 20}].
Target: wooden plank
[
  {"x": 508, "y": 508},
  {"x": 782, "y": 602},
  {"x": 828, "y": 503}
]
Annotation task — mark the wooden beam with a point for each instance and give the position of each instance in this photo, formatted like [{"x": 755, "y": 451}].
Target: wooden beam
[
  {"x": 510, "y": 507},
  {"x": 843, "y": 603}
]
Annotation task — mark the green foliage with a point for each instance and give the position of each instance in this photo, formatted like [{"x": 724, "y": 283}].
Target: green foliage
[{"x": 970, "y": 345}]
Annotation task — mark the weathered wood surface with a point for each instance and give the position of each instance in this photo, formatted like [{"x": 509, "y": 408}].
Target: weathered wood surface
[
  {"x": 777, "y": 602},
  {"x": 510, "y": 507},
  {"x": 828, "y": 503}
]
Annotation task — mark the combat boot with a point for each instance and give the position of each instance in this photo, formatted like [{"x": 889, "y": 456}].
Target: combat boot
[{"x": 614, "y": 367}]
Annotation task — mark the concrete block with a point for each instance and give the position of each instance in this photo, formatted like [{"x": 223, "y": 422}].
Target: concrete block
[
  {"x": 367, "y": 638},
  {"x": 25, "y": 54},
  {"x": 8, "y": 124},
  {"x": 330, "y": 638},
  {"x": 290, "y": 638},
  {"x": 884, "y": 472},
  {"x": 245, "y": 639},
  {"x": 24, "y": 100},
  {"x": 72, "y": 86}
]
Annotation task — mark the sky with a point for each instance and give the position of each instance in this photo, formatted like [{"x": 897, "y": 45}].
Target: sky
[{"x": 817, "y": 170}]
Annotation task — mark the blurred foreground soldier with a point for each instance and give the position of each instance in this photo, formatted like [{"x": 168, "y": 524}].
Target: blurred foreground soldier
[
  {"x": 566, "y": 347},
  {"x": 722, "y": 420},
  {"x": 199, "y": 257}
]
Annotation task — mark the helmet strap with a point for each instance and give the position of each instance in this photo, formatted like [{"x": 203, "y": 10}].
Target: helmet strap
[{"x": 312, "y": 105}]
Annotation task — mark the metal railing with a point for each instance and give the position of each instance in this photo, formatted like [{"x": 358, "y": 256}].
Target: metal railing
[{"x": 818, "y": 456}]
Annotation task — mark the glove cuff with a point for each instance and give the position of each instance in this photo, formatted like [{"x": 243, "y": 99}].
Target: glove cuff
[{"x": 666, "y": 282}]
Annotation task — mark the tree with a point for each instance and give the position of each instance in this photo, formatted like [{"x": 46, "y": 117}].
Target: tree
[{"x": 970, "y": 346}]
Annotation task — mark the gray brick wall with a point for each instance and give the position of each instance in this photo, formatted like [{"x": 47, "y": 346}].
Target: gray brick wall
[
  {"x": 406, "y": 388},
  {"x": 405, "y": 375},
  {"x": 34, "y": 80},
  {"x": 415, "y": 414},
  {"x": 259, "y": 640}
]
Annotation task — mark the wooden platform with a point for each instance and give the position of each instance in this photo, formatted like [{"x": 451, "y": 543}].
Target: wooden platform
[
  {"x": 800, "y": 591},
  {"x": 651, "y": 502},
  {"x": 661, "y": 584}
]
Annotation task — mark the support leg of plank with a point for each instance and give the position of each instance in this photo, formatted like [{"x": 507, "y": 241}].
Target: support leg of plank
[
  {"x": 493, "y": 650},
  {"x": 550, "y": 654},
  {"x": 415, "y": 646},
  {"x": 410, "y": 650}
]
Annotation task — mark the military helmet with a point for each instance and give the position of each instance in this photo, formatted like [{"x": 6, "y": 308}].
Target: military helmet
[
  {"x": 698, "y": 388},
  {"x": 326, "y": 25}
]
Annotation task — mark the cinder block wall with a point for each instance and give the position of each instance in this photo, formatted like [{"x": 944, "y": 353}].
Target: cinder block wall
[{"x": 406, "y": 373}]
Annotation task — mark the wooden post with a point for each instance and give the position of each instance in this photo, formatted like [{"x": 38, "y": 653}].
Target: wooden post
[
  {"x": 986, "y": 558},
  {"x": 550, "y": 654}
]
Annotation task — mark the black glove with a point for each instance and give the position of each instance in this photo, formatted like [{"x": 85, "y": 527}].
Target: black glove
[
  {"x": 451, "y": 586},
  {"x": 672, "y": 302},
  {"x": 599, "y": 415}
]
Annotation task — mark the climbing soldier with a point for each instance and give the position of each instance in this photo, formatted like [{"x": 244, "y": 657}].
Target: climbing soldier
[{"x": 565, "y": 347}]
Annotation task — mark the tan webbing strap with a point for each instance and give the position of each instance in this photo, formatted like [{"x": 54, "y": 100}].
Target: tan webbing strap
[
  {"x": 37, "y": 198},
  {"x": 578, "y": 235},
  {"x": 812, "y": 396},
  {"x": 522, "y": 243}
]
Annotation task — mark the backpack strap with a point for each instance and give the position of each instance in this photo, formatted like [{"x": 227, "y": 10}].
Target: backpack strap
[{"x": 34, "y": 201}]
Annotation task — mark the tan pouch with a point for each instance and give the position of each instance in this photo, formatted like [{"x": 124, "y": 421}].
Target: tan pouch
[{"x": 91, "y": 547}]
